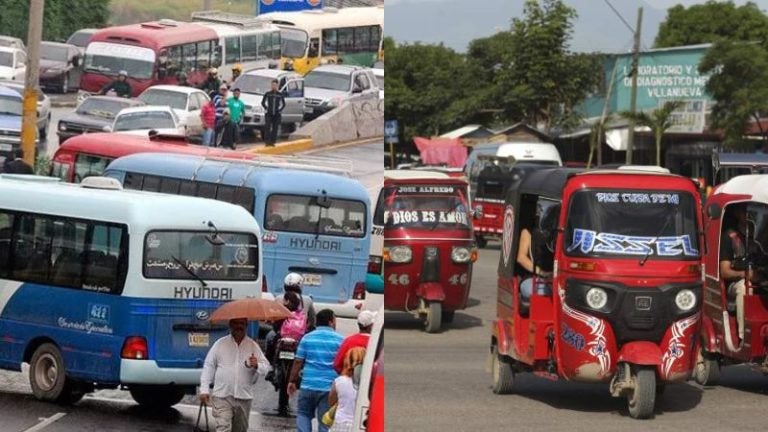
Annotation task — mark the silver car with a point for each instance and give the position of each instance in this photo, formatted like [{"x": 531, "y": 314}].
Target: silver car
[
  {"x": 329, "y": 86},
  {"x": 43, "y": 107},
  {"x": 255, "y": 83}
]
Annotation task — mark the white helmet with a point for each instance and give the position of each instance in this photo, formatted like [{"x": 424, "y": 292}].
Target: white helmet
[{"x": 293, "y": 280}]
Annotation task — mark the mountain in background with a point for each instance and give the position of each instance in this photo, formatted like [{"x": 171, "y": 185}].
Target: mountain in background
[{"x": 456, "y": 22}]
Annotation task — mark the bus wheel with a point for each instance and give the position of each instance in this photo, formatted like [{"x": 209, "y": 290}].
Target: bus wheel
[
  {"x": 47, "y": 374},
  {"x": 157, "y": 397},
  {"x": 643, "y": 397},
  {"x": 707, "y": 370},
  {"x": 503, "y": 375},
  {"x": 433, "y": 321}
]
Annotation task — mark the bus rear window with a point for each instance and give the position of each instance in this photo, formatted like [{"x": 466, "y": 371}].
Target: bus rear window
[
  {"x": 89, "y": 165},
  {"x": 303, "y": 214},
  {"x": 200, "y": 254}
]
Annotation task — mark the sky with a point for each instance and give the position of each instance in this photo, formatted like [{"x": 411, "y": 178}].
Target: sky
[{"x": 596, "y": 29}]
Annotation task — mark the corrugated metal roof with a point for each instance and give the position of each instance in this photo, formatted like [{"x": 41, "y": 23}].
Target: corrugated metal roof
[{"x": 460, "y": 132}]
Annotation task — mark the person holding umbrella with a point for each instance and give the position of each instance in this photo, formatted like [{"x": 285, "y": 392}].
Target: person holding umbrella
[{"x": 234, "y": 362}]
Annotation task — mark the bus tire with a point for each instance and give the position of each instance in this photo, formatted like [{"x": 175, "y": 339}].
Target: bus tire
[
  {"x": 47, "y": 374},
  {"x": 156, "y": 397}
]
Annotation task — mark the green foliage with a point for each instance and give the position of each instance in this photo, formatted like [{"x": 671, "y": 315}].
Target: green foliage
[
  {"x": 524, "y": 74},
  {"x": 659, "y": 120},
  {"x": 132, "y": 11},
  {"x": 61, "y": 18},
  {"x": 42, "y": 165},
  {"x": 739, "y": 84},
  {"x": 711, "y": 22}
]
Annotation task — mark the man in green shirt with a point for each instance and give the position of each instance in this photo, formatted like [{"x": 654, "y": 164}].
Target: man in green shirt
[{"x": 236, "y": 109}]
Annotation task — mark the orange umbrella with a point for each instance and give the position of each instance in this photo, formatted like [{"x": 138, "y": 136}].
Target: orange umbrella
[{"x": 251, "y": 308}]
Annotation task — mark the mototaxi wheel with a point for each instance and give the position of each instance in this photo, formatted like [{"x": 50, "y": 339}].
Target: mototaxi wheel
[
  {"x": 481, "y": 241},
  {"x": 155, "y": 396},
  {"x": 503, "y": 375},
  {"x": 707, "y": 370},
  {"x": 642, "y": 400},
  {"x": 433, "y": 321}
]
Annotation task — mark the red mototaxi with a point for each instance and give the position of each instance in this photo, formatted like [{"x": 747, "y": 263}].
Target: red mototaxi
[
  {"x": 428, "y": 245},
  {"x": 720, "y": 344},
  {"x": 626, "y": 286}
]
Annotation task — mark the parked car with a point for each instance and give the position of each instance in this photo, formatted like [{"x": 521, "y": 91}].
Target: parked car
[
  {"x": 185, "y": 101},
  {"x": 10, "y": 122},
  {"x": 140, "y": 120},
  {"x": 379, "y": 74},
  {"x": 255, "y": 83},
  {"x": 92, "y": 115},
  {"x": 12, "y": 42},
  {"x": 60, "y": 66},
  {"x": 43, "y": 106},
  {"x": 13, "y": 64},
  {"x": 326, "y": 87},
  {"x": 81, "y": 38}
]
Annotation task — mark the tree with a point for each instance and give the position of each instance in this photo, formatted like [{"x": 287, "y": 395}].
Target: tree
[
  {"x": 711, "y": 22},
  {"x": 61, "y": 18},
  {"x": 659, "y": 120},
  {"x": 739, "y": 85},
  {"x": 538, "y": 79},
  {"x": 427, "y": 87}
]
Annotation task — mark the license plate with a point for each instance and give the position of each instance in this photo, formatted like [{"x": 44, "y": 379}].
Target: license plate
[
  {"x": 313, "y": 279},
  {"x": 6, "y": 147},
  {"x": 309, "y": 110},
  {"x": 287, "y": 355},
  {"x": 199, "y": 339}
]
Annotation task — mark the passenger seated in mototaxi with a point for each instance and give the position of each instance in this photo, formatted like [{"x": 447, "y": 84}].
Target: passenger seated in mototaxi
[{"x": 535, "y": 254}]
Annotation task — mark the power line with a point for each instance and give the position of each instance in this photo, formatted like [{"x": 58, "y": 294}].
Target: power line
[{"x": 632, "y": 29}]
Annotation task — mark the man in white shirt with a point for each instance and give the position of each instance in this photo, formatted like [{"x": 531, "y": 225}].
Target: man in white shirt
[{"x": 232, "y": 366}]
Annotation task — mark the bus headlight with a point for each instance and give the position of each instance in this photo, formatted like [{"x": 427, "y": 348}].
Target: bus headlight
[
  {"x": 461, "y": 255},
  {"x": 398, "y": 254},
  {"x": 685, "y": 300},
  {"x": 596, "y": 298}
]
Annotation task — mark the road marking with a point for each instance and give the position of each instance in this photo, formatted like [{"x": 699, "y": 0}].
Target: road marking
[{"x": 45, "y": 422}]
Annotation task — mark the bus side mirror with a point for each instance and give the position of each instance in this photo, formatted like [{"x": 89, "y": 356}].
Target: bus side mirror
[{"x": 714, "y": 211}]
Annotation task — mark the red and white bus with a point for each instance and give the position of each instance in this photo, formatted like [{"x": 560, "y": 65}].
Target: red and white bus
[
  {"x": 157, "y": 52},
  {"x": 88, "y": 155}
]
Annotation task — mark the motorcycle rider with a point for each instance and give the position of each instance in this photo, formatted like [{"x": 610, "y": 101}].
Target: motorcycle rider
[
  {"x": 212, "y": 83},
  {"x": 120, "y": 86}
]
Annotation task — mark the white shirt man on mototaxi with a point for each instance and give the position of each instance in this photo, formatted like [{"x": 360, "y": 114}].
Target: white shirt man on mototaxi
[{"x": 225, "y": 367}]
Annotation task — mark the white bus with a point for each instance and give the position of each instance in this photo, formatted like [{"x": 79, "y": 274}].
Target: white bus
[
  {"x": 108, "y": 288},
  {"x": 351, "y": 35}
]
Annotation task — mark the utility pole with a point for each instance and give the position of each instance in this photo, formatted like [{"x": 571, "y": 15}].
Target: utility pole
[
  {"x": 633, "y": 94},
  {"x": 29, "y": 121}
]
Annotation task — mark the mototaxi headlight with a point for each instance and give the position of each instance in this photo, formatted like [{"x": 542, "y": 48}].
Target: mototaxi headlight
[
  {"x": 400, "y": 254},
  {"x": 461, "y": 254},
  {"x": 596, "y": 298},
  {"x": 685, "y": 300}
]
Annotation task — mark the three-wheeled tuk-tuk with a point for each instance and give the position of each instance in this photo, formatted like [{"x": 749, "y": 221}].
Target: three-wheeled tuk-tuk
[
  {"x": 428, "y": 244},
  {"x": 613, "y": 276},
  {"x": 736, "y": 287},
  {"x": 489, "y": 188}
]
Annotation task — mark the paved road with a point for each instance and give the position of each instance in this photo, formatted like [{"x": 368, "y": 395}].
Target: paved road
[
  {"x": 116, "y": 411},
  {"x": 439, "y": 383}
]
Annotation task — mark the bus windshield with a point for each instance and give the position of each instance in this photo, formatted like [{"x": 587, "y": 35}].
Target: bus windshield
[
  {"x": 328, "y": 80},
  {"x": 423, "y": 206},
  {"x": 201, "y": 255},
  {"x": 304, "y": 214},
  {"x": 293, "y": 42},
  {"x": 110, "y": 58},
  {"x": 614, "y": 223},
  {"x": 253, "y": 84}
]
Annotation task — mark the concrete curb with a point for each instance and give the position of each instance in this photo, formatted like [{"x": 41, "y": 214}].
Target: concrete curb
[{"x": 294, "y": 146}]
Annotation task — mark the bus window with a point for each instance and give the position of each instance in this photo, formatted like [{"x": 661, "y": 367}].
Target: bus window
[
  {"x": 276, "y": 44},
  {"x": 89, "y": 165},
  {"x": 6, "y": 229},
  {"x": 265, "y": 45},
  {"x": 204, "y": 55},
  {"x": 151, "y": 184},
  {"x": 314, "y": 45},
  {"x": 103, "y": 272},
  {"x": 232, "y": 49},
  {"x": 362, "y": 39},
  {"x": 190, "y": 56},
  {"x": 188, "y": 188},
  {"x": 346, "y": 40},
  {"x": 175, "y": 60},
  {"x": 375, "y": 38},
  {"x": 206, "y": 190},
  {"x": 330, "y": 44},
  {"x": 302, "y": 214},
  {"x": 250, "y": 45},
  {"x": 170, "y": 186}
]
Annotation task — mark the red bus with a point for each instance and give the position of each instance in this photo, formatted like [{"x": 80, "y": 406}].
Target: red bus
[
  {"x": 151, "y": 53},
  {"x": 89, "y": 154}
]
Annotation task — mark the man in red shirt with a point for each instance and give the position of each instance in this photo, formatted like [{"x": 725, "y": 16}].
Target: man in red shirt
[
  {"x": 358, "y": 340},
  {"x": 208, "y": 116}
]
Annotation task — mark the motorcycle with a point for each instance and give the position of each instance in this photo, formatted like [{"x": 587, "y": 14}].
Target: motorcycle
[{"x": 286, "y": 353}]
